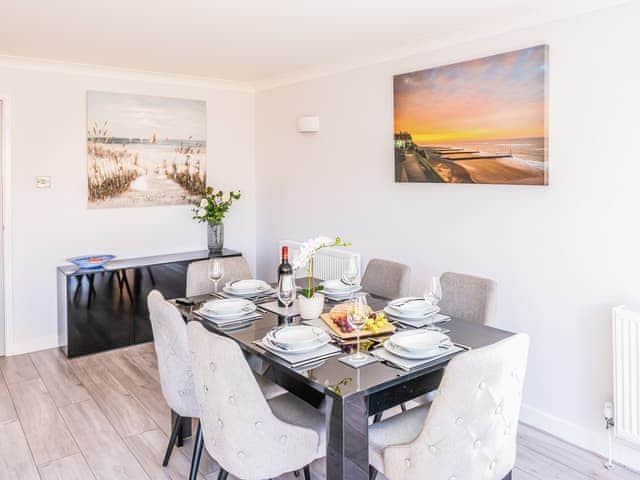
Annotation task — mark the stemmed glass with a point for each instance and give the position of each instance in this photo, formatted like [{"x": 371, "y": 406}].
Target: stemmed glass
[
  {"x": 357, "y": 317},
  {"x": 216, "y": 272},
  {"x": 433, "y": 292},
  {"x": 350, "y": 274},
  {"x": 287, "y": 291}
]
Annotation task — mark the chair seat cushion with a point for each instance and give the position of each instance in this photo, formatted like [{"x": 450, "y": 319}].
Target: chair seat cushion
[
  {"x": 269, "y": 389},
  {"x": 291, "y": 409},
  {"x": 397, "y": 430}
]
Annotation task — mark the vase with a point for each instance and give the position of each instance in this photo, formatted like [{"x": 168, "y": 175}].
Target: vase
[
  {"x": 310, "y": 308},
  {"x": 215, "y": 236}
]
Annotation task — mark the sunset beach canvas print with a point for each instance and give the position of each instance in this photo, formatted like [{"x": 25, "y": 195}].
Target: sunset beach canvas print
[
  {"x": 479, "y": 121},
  {"x": 144, "y": 151}
]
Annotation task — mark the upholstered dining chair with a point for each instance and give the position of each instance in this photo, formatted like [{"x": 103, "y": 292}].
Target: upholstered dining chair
[
  {"x": 249, "y": 436},
  {"x": 386, "y": 278},
  {"x": 176, "y": 375},
  {"x": 468, "y": 297},
  {"x": 198, "y": 283},
  {"x": 469, "y": 431}
]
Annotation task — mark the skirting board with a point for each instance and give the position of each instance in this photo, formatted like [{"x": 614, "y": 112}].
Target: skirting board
[
  {"x": 592, "y": 440},
  {"x": 34, "y": 345}
]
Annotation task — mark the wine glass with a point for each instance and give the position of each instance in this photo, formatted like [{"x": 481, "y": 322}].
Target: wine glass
[
  {"x": 350, "y": 274},
  {"x": 216, "y": 272},
  {"x": 433, "y": 292},
  {"x": 287, "y": 291},
  {"x": 357, "y": 317}
]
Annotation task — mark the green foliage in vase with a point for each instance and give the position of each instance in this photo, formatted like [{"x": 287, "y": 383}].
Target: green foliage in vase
[{"x": 214, "y": 205}]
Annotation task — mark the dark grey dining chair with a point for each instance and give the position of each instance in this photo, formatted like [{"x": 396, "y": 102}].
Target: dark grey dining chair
[
  {"x": 468, "y": 297},
  {"x": 386, "y": 278},
  {"x": 198, "y": 283}
]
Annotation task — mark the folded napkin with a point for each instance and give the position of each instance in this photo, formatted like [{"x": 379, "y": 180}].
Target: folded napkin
[
  {"x": 299, "y": 359},
  {"x": 406, "y": 364}
]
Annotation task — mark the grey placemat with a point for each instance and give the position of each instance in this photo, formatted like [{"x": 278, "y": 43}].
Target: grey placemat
[{"x": 297, "y": 359}]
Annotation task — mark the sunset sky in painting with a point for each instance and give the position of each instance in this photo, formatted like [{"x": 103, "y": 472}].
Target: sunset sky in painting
[{"x": 502, "y": 96}]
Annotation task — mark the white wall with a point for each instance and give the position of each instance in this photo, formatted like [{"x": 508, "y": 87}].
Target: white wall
[
  {"x": 46, "y": 127},
  {"x": 563, "y": 254}
]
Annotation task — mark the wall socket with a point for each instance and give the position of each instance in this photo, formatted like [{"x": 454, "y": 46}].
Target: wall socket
[{"x": 43, "y": 182}]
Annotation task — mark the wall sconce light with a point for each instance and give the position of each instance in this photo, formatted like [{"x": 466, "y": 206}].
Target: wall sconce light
[{"x": 309, "y": 124}]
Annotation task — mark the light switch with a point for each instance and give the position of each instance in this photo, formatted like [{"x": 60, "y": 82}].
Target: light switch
[{"x": 43, "y": 182}]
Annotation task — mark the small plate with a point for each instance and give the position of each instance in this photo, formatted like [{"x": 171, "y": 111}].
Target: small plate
[
  {"x": 91, "y": 261},
  {"x": 248, "y": 286},
  {"x": 228, "y": 316},
  {"x": 297, "y": 336},
  {"x": 414, "y": 314},
  {"x": 391, "y": 348}
]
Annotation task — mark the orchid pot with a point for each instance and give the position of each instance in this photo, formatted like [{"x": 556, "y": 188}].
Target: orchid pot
[{"x": 310, "y": 308}]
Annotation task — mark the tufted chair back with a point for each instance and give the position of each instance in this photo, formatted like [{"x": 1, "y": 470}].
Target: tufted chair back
[
  {"x": 470, "y": 430},
  {"x": 468, "y": 297},
  {"x": 386, "y": 278},
  {"x": 198, "y": 283},
  {"x": 240, "y": 431},
  {"x": 174, "y": 364}
]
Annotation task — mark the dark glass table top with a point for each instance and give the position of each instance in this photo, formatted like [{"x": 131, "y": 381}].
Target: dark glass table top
[{"x": 332, "y": 377}]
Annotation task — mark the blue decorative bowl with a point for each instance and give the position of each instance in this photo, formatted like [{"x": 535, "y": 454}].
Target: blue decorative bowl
[{"x": 91, "y": 262}]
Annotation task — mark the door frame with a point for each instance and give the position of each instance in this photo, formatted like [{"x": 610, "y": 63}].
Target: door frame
[{"x": 7, "y": 264}]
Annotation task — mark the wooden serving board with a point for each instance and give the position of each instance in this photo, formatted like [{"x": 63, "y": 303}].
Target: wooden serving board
[{"x": 364, "y": 333}]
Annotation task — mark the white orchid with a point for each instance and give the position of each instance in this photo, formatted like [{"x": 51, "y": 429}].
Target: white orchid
[
  {"x": 201, "y": 212},
  {"x": 306, "y": 253},
  {"x": 204, "y": 203}
]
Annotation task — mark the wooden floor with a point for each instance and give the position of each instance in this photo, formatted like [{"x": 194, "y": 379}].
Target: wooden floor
[{"x": 103, "y": 417}]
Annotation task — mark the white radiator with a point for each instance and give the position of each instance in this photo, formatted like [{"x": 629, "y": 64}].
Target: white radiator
[
  {"x": 626, "y": 374},
  {"x": 330, "y": 262}
]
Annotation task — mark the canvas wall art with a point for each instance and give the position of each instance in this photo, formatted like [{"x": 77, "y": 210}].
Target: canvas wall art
[
  {"x": 479, "y": 121},
  {"x": 144, "y": 150}
]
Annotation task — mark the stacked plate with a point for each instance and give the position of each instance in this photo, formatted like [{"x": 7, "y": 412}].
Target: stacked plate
[
  {"x": 410, "y": 308},
  {"x": 296, "y": 339},
  {"x": 339, "y": 290},
  {"x": 248, "y": 288},
  {"x": 229, "y": 310},
  {"x": 417, "y": 344}
]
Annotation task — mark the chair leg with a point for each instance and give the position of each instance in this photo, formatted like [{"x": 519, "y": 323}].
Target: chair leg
[
  {"x": 373, "y": 473},
  {"x": 197, "y": 453},
  {"x": 508, "y": 477},
  {"x": 403, "y": 407},
  {"x": 307, "y": 473},
  {"x": 296, "y": 474},
  {"x": 377, "y": 417},
  {"x": 175, "y": 430},
  {"x": 222, "y": 475}
]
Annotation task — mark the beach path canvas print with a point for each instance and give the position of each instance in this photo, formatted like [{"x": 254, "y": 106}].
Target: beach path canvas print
[
  {"x": 480, "y": 121},
  {"x": 144, "y": 151}
]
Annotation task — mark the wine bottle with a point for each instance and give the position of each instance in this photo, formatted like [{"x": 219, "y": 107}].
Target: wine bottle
[{"x": 285, "y": 267}]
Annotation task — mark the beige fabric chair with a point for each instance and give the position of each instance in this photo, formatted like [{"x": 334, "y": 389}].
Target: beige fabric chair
[
  {"x": 386, "y": 278},
  {"x": 176, "y": 375},
  {"x": 468, "y": 297},
  {"x": 198, "y": 283},
  {"x": 469, "y": 431},
  {"x": 249, "y": 437}
]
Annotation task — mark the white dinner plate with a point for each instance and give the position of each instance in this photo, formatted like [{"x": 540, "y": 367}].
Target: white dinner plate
[
  {"x": 401, "y": 352},
  {"x": 297, "y": 336},
  {"x": 248, "y": 286},
  {"x": 410, "y": 315},
  {"x": 235, "y": 293},
  {"x": 227, "y": 306},
  {"x": 338, "y": 287},
  {"x": 418, "y": 341},
  {"x": 228, "y": 316},
  {"x": 293, "y": 350}
]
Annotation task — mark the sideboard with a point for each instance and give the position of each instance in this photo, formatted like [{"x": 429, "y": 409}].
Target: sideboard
[{"x": 105, "y": 308}]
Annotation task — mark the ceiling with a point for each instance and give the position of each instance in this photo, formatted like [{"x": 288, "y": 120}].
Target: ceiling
[{"x": 253, "y": 41}]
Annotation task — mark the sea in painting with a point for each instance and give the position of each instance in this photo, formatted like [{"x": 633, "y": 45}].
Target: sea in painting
[
  {"x": 480, "y": 121},
  {"x": 144, "y": 150}
]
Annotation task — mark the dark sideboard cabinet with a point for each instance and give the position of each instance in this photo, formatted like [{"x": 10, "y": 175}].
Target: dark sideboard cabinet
[{"x": 106, "y": 308}]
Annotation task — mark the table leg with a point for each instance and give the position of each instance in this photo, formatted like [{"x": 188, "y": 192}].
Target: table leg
[{"x": 348, "y": 438}]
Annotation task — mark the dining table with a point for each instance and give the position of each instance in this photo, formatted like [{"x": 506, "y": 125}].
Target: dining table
[{"x": 349, "y": 396}]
